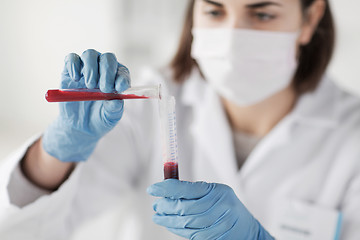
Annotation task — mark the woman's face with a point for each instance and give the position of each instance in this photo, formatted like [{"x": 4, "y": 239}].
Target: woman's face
[{"x": 269, "y": 15}]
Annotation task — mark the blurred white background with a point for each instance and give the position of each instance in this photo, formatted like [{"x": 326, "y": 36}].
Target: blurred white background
[{"x": 36, "y": 35}]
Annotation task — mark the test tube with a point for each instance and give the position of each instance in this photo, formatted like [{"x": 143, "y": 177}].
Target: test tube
[
  {"x": 84, "y": 94},
  {"x": 169, "y": 135}
]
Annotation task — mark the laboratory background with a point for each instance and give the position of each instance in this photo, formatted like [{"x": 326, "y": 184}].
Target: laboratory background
[{"x": 36, "y": 36}]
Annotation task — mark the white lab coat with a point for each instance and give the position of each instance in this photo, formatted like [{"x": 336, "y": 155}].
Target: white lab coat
[{"x": 312, "y": 156}]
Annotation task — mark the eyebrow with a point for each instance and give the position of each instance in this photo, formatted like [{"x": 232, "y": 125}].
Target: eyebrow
[
  {"x": 262, "y": 4},
  {"x": 214, "y": 3}
]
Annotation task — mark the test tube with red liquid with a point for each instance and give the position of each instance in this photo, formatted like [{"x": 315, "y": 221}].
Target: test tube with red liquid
[
  {"x": 84, "y": 94},
  {"x": 170, "y": 148}
]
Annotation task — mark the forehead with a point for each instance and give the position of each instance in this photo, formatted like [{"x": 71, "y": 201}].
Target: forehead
[{"x": 249, "y": 2}]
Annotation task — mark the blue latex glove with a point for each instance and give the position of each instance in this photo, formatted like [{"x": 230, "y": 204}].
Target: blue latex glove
[
  {"x": 72, "y": 137},
  {"x": 200, "y": 210}
]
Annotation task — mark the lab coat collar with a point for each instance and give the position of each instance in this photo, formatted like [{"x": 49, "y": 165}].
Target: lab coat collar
[
  {"x": 194, "y": 89},
  {"x": 212, "y": 133},
  {"x": 318, "y": 108},
  {"x": 211, "y": 130}
]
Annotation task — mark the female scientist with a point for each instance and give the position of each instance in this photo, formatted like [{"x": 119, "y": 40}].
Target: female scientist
[{"x": 273, "y": 140}]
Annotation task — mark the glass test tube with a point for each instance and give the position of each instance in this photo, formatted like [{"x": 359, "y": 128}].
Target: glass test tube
[
  {"x": 169, "y": 138},
  {"x": 83, "y": 94}
]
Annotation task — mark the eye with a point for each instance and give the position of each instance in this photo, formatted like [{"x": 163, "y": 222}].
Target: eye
[
  {"x": 214, "y": 13},
  {"x": 264, "y": 17}
]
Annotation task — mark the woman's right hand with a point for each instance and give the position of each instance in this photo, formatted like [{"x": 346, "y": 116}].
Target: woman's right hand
[{"x": 72, "y": 137}]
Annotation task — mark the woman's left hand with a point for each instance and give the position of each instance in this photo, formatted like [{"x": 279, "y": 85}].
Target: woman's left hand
[{"x": 200, "y": 210}]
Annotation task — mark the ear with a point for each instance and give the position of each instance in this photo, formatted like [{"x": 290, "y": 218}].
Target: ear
[{"x": 312, "y": 17}]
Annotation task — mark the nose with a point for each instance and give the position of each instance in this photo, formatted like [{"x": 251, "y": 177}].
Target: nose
[{"x": 236, "y": 21}]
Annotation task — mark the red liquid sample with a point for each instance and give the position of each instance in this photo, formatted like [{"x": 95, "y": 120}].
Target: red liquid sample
[
  {"x": 88, "y": 95},
  {"x": 171, "y": 170}
]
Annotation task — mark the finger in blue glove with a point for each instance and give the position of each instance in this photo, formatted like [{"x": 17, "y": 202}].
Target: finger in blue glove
[
  {"x": 72, "y": 137},
  {"x": 200, "y": 210}
]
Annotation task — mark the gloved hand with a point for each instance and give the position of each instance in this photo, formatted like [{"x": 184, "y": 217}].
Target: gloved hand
[
  {"x": 72, "y": 137},
  {"x": 200, "y": 210}
]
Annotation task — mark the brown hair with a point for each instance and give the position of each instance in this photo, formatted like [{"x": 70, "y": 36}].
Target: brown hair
[{"x": 313, "y": 58}]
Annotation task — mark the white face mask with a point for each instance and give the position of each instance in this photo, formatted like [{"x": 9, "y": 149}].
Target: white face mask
[{"x": 245, "y": 66}]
